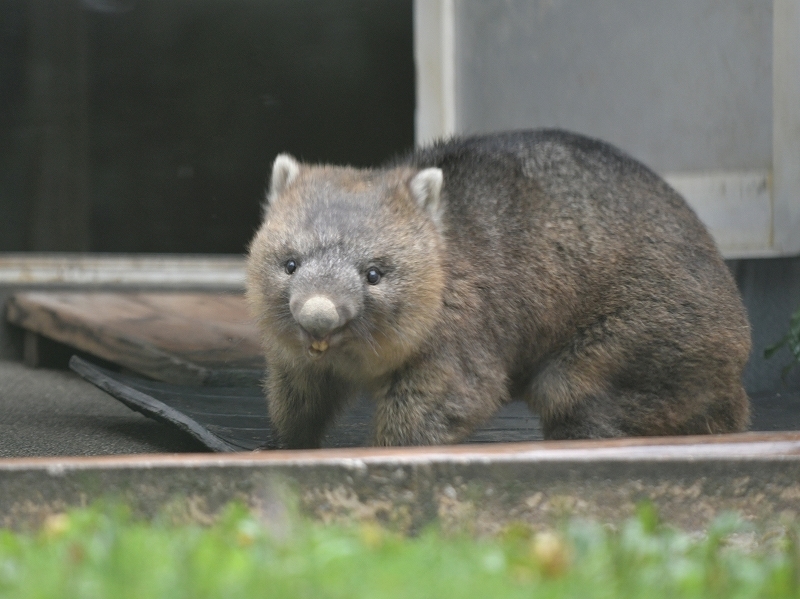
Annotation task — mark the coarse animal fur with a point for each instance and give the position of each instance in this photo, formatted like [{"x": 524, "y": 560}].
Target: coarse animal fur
[{"x": 540, "y": 265}]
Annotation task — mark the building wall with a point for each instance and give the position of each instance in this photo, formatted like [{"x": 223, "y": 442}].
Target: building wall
[{"x": 684, "y": 85}]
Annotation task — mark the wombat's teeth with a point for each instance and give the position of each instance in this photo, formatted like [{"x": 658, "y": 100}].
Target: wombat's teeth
[{"x": 318, "y": 347}]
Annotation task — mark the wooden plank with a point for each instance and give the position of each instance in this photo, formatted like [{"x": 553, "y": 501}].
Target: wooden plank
[{"x": 180, "y": 338}]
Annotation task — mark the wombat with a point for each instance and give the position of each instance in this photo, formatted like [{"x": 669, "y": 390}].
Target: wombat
[{"x": 540, "y": 265}]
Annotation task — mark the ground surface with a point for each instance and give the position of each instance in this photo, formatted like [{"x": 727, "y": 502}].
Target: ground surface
[
  {"x": 48, "y": 412},
  {"x": 54, "y": 412}
]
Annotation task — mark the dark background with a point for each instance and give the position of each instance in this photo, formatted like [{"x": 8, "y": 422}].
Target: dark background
[{"x": 151, "y": 125}]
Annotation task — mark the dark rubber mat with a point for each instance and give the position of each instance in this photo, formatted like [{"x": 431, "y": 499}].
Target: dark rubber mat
[
  {"x": 235, "y": 418},
  {"x": 222, "y": 418}
]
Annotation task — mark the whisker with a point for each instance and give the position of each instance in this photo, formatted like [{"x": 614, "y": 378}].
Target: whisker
[{"x": 362, "y": 330}]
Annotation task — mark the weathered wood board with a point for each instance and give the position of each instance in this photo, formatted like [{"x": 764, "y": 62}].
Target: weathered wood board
[{"x": 181, "y": 338}]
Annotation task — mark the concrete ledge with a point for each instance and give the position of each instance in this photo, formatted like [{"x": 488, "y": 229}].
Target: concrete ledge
[
  {"x": 123, "y": 270},
  {"x": 477, "y": 488}
]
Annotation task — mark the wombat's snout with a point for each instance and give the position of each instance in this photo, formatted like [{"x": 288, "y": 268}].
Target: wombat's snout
[{"x": 318, "y": 316}]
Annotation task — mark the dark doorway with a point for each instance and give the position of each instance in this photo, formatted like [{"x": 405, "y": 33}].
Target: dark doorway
[{"x": 150, "y": 125}]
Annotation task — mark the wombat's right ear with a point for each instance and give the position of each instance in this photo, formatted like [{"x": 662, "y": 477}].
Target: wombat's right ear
[
  {"x": 284, "y": 170},
  {"x": 426, "y": 188}
]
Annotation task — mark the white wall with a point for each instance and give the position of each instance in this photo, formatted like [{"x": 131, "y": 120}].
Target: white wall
[{"x": 705, "y": 92}]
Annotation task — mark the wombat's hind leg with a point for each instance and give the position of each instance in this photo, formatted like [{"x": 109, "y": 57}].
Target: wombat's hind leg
[
  {"x": 572, "y": 397},
  {"x": 726, "y": 411},
  {"x": 596, "y": 417},
  {"x": 570, "y": 409}
]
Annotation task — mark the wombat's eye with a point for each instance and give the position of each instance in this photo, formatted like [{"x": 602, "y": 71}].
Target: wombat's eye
[
  {"x": 373, "y": 276},
  {"x": 290, "y": 266}
]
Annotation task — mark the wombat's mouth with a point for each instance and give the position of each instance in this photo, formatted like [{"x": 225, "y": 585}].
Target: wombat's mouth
[{"x": 318, "y": 347}]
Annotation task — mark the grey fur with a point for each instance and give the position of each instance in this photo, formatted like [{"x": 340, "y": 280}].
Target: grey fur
[{"x": 560, "y": 271}]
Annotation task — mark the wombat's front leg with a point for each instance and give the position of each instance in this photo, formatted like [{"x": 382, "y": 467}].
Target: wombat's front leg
[
  {"x": 301, "y": 406},
  {"x": 438, "y": 401}
]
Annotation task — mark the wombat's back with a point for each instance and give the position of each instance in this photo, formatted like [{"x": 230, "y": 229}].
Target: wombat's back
[{"x": 585, "y": 256}]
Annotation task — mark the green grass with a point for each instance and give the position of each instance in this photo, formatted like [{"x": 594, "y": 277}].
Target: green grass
[
  {"x": 792, "y": 341},
  {"x": 104, "y": 552}
]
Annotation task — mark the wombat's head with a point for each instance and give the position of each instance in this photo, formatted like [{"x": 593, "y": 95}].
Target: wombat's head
[{"x": 346, "y": 270}]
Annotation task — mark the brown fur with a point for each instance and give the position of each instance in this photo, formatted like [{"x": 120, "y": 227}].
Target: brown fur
[{"x": 551, "y": 267}]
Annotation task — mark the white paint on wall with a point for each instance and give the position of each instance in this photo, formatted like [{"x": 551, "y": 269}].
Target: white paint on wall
[
  {"x": 735, "y": 206},
  {"x": 786, "y": 126},
  {"x": 434, "y": 58}
]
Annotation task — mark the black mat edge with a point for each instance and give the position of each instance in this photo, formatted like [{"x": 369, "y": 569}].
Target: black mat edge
[{"x": 149, "y": 406}]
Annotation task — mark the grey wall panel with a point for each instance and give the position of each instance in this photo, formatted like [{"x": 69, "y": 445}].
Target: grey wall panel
[{"x": 685, "y": 85}]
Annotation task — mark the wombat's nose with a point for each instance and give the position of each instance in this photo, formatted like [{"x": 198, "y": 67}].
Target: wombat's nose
[{"x": 318, "y": 316}]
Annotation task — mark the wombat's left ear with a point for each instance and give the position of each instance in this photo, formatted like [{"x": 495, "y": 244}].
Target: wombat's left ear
[
  {"x": 426, "y": 189},
  {"x": 284, "y": 170}
]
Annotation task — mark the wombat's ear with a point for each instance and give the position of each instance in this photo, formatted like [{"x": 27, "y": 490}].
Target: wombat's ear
[
  {"x": 426, "y": 188},
  {"x": 284, "y": 170}
]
